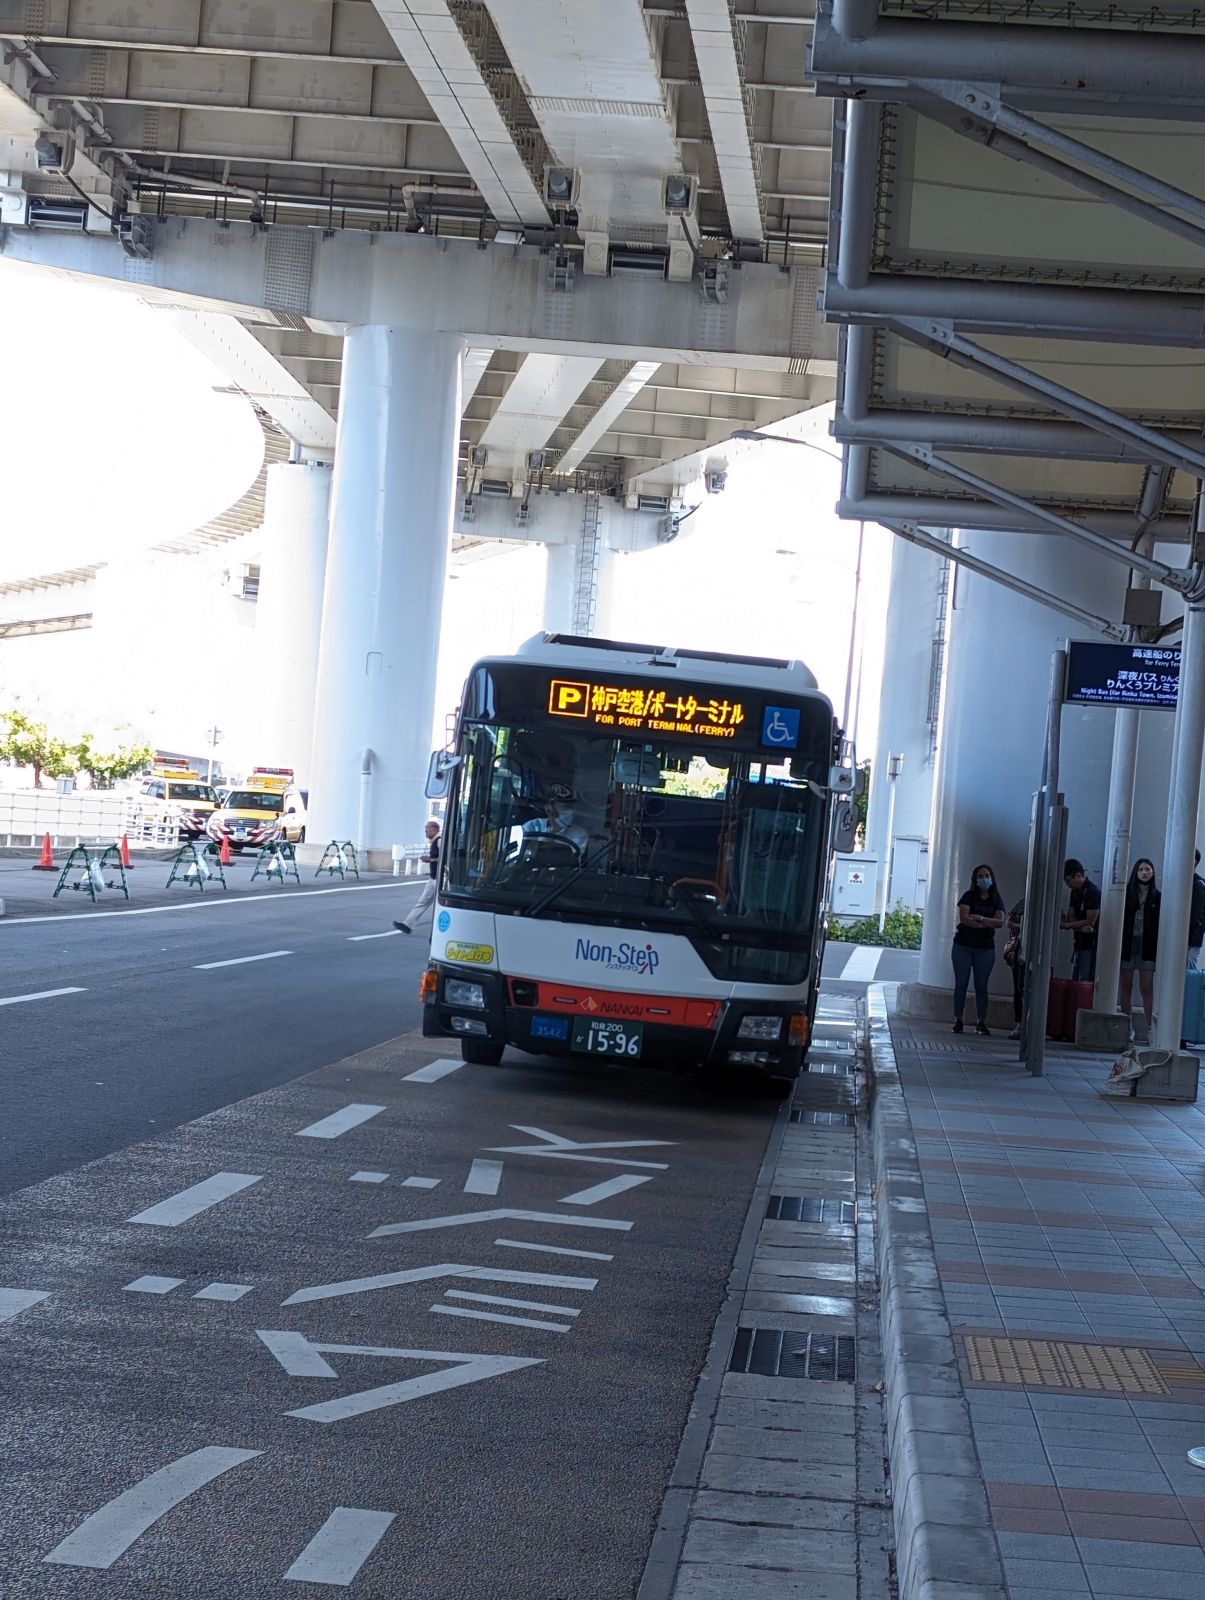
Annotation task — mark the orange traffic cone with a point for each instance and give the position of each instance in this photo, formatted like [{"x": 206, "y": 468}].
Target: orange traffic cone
[
  {"x": 46, "y": 863},
  {"x": 125, "y": 853},
  {"x": 224, "y": 852}
]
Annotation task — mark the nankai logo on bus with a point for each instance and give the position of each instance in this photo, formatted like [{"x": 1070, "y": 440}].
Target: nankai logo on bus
[{"x": 641, "y": 959}]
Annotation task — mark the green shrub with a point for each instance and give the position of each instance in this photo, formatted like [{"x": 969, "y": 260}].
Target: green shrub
[{"x": 901, "y": 929}]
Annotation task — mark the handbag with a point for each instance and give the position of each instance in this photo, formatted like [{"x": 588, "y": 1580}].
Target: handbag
[{"x": 1011, "y": 954}]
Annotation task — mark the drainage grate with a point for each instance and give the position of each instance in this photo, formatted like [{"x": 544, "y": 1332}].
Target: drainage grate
[
  {"x": 773, "y": 1353},
  {"x": 832, "y": 1069},
  {"x": 1050, "y": 1364},
  {"x": 811, "y": 1208},
  {"x": 824, "y": 1119}
]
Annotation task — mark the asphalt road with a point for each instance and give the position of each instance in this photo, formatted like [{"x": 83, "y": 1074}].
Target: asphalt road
[{"x": 149, "y": 1041}]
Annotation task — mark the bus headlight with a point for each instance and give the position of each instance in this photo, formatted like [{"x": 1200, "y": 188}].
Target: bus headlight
[
  {"x": 760, "y": 1028},
  {"x": 459, "y": 993}
]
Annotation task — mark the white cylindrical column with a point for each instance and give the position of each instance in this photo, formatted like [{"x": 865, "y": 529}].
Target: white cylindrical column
[
  {"x": 288, "y": 611},
  {"x": 993, "y": 727},
  {"x": 914, "y": 605},
  {"x": 559, "y": 580},
  {"x": 1183, "y": 798},
  {"x": 390, "y": 532}
]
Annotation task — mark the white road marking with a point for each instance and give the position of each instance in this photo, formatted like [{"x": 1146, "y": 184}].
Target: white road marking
[
  {"x": 465, "y": 1219},
  {"x": 420, "y": 1183},
  {"x": 862, "y": 964},
  {"x": 484, "y": 1177},
  {"x": 42, "y": 994},
  {"x": 14, "y": 1301},
  {"x": 341, "y": 1546},
  {"x": 444, "y": 1269},
  {"x": 198, "y": 904},
  {"x": 223, "y": 1291},
  {"x": 153, "y": 1285},
  {"x": 109, "y": 1532},
  {"x": 603, "y": 1191},
  {"x": 359, "y": 938},
  {"x": 516, "y": 1305},
  {"x": 554, "y": 1249},
  {"x": 433, "y": 1071},
  {"x": 498, "y": 1316},
  {"x": 178, "y": 1208},
  {"x": 368, "y": 1177},
  {"x": 557, "y": 1147},
  {"x": 240, "y": 961},
  {"x": 351, "y": 1116}
]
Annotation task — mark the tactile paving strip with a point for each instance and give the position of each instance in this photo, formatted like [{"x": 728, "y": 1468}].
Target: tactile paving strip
[{"x": 1051, "y": 1364}]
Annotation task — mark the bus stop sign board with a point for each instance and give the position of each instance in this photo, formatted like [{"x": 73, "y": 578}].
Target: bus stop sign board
[{"x": 1122, "y": 675}]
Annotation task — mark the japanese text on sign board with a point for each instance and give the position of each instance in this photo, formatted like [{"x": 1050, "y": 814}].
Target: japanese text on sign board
[
  {"x": 645, "y": 708},
  {"x": 1122, "y": 675}
]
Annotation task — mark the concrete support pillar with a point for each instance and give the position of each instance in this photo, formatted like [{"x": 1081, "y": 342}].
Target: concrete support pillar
[
  {"x": 288, "y": 617},
  {"x": 913, "y": 610},
  {"x": 993, "y": 722},
  {"x": 390, "y": 532},
  {"x": 579, "y": 575},
  {"x": 559, "y": 579}
]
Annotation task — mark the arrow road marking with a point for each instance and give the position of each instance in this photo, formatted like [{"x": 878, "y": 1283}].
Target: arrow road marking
[
  {"x": 557, "y": 1147},
  {"x": 445, "y": 1269},
  {"x": 464, "y": 1219}
]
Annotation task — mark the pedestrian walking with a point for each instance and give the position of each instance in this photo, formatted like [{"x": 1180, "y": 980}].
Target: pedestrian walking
[
  {"x": 980, "y": 913},
  {"x": 1140, "y": 938},
  {"x": 1196, "y": 918},
  {"x": 1080, "y": 918},
  {"x": 427, "y": 898},
  {"x": 1012, "y": 958}
]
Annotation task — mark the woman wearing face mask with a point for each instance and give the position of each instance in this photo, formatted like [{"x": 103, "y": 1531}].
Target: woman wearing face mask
[
  {"x": 1140, "y": 938},
  {"x": 980, "y": 913}
]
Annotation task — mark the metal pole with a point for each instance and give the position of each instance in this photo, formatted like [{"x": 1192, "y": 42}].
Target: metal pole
[
  {"x": 1041, "y": 894},
  {"x": 1183, "y": 798},
  {"x": 892, "y": 785},
  {"x": 855, "y": 19},
  {"x": 860, "y": 160},
  {"x": 853, "y": 636}
]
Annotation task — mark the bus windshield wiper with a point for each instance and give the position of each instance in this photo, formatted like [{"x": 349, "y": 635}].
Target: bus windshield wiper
[{"x": 559, "y": 888}]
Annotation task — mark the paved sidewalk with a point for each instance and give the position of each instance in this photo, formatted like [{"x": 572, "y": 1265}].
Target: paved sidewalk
[
  {"x": 1070, "y": 1237},
  {"x": 779, "y": 1492}
]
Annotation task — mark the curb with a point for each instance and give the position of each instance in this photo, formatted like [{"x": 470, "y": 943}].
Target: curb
[{"x": 946, "y": 1545}]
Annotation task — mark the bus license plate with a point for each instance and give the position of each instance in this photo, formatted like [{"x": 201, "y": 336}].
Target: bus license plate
[{"x": 607, "y": 1038}]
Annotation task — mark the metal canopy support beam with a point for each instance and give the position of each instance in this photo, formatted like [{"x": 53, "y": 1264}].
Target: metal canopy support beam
[
  {"x": 964, "y": 558},
  {"x": 997, "y": 435},
  {"x": 860, "y": 158},
  {"x": 941, "y": 338},
  {"x": 954, "y": 511},
  {"x": 1172, "y": 577}
]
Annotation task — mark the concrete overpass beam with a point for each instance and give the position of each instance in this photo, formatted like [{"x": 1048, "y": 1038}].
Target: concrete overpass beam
[{"x": 391, "y": 525}]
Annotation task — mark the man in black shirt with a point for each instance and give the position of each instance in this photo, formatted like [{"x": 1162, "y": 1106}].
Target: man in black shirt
[
  {"x": 1196, "y": 919},
  {"x": 427, "y": 897},
  {"x": 1081, "y": 916}
]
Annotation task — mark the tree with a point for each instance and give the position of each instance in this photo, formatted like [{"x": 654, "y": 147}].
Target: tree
[
  {"x": 26, "y": 743},
  {"x": 107, "y": 767},
  {"x": 862, "y": 800}
]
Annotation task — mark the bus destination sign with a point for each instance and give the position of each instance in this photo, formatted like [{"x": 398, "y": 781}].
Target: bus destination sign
[
  {"x": 1122, "y": 674},
  {"x": 646, "y": 708}
]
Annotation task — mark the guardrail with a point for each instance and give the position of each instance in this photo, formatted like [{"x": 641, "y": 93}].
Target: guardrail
[{"x": 87, "y": 817}]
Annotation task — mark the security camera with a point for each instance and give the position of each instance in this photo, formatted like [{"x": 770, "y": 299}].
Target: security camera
[
  {"x": 561, "y": 188},
  {"x": 715, "y": 477},
  {"x": 678, "y": 194}
]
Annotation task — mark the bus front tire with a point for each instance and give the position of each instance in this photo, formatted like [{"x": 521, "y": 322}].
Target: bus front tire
[{"x": 481, "y": 1052}]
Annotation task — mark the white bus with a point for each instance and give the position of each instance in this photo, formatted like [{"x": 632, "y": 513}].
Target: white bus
[{"x": 635, "y": 857}]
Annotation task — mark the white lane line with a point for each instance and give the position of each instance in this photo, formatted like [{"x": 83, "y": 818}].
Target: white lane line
[
  {"x": 420, "y": 1183},
  {"x": 433, "y": 1072},
  {"x": 240, "y": 961},
  {"x": 178, "y": 1208},
  {"x": 516, "y": 1305},
  {"x": 351, "y": 1116},
  {"x": 341, "y": 1546},
  {"x": 498, "y": 1316},
  {"x": 223, "y": 1291},
  {"x": 14, "y": 1301},
  {"x": 109, "y": 1532},
  {"x": 554, "y": 1249},
  {"x": 42, "y": 994},
  {"x": 359, "y": 938},
  {"x": 484, "y": 1177},
  {"x": 197, "y": 905},
  {"x": 368, "y": 1177},
  {"x": 602, "y": 1191},
  {"x": 862, "y": 964},
  {"x": 465, "y": 1219},
  {"x": 153, "y": 1285}
]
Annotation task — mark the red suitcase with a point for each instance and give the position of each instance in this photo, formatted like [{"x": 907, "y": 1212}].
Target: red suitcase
[
  {"x": 1056, "y": 1008},
  {"x": 1079, "y": 998}
]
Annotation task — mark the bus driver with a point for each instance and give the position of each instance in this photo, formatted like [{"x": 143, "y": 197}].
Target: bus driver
[{"x": 558, "y": 818}]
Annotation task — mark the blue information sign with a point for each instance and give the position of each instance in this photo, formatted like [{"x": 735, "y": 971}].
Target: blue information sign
[{"x": 1122, "y": 674}]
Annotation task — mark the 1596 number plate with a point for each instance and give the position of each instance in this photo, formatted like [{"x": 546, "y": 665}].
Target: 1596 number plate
[{"x": 607, "y": 1038}]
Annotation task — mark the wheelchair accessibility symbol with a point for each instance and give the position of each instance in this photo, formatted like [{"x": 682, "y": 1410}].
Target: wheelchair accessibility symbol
[{"x": 780, "y": 727}]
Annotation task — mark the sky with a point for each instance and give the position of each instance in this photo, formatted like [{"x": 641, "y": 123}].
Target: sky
[{"x": 118, "y": 436}]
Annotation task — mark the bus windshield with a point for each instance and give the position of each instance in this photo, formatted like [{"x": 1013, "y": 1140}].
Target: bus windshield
[{"x": 722, "y": 845}]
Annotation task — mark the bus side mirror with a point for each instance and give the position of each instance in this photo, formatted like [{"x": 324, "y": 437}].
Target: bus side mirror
[
  {"x": 845, "y": 826},
  {"x": 439, "y": 774}
]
